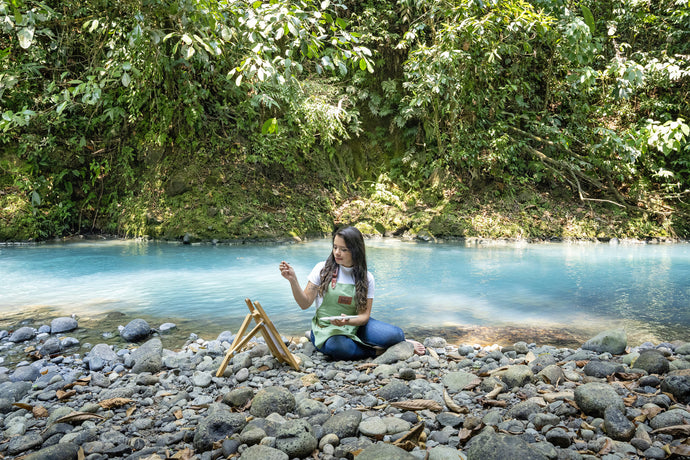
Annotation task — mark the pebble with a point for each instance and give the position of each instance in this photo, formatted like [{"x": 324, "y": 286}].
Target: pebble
[{"x": 137, "y": 400}]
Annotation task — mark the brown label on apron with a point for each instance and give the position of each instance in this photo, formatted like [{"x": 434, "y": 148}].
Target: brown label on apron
[{"x": 345, "y": 300}]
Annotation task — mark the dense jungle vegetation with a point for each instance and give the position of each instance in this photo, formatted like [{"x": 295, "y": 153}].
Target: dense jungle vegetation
[{"x": 232, "y": 118}]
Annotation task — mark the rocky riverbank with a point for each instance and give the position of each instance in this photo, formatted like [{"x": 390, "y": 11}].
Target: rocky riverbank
[{"x": 139, "y": 400}]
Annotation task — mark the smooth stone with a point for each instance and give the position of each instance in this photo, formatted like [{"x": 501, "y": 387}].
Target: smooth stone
[
  {"x": 457, "y": 381},
  {"x": 343, "y": 424},
  {"x": 517, "y": 376},
  {"x": 373, "y": 427},
  {"x": 617, "y": 426},
  {"x": 489, "y": 445},
  {"x": 22, "y": 334},
  {"x": 272, "y": 399},
  {"x": 593, "y": 398},
  {"x": 652, "y": 361},
  {"x": 260, "y": 452},
  {"x": 60, "y": 451},
  {"x": 383, "y": 451},
  {"x": 394, "y": 390},
  {"x": 63, "y": 324},
  {"x": 136, "y": 330},
  {"x": 612, "y": 341},
  {"x": 296, "y": 439}
]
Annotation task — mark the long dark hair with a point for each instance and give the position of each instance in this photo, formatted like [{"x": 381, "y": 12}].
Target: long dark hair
[{"x": 355, "y": 244}]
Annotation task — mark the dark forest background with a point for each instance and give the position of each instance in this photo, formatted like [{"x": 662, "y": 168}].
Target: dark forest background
[{"x": 236, "y": 119}]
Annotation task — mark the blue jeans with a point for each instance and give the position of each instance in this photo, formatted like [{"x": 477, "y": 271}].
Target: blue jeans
[{"x": 375, "y": 334}]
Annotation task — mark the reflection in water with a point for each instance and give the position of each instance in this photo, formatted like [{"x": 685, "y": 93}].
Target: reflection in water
[{"x": 557, "y": 292}]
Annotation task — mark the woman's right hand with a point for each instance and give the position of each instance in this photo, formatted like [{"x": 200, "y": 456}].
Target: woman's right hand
[{"x": 287, "y": 271}]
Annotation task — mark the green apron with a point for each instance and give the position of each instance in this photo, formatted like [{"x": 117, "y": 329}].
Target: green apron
[{"x": 336, "y": 301}]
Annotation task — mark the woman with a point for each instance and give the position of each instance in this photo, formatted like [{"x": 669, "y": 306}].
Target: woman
[{"x": 343, "y": 287}]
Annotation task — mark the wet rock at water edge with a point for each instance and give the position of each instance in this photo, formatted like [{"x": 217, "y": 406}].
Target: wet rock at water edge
[
  {"x": 23, "y": 334},
  {"x": 136, "y": 330},
  {"x": 63, "y": 324},
  {"x": 611, "y": 341}
]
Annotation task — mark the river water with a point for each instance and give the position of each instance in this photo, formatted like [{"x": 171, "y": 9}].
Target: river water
[{"x": 547, "y": 293}]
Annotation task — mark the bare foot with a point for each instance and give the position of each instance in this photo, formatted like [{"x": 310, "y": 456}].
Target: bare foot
[{"x": 419, "y": 349}]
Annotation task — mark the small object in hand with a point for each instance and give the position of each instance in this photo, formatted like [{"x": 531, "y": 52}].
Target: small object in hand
[{"x": 333, "y": 318}]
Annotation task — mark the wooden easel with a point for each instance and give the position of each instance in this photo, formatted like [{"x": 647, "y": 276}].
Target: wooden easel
[{"x": 269, "y": 332}]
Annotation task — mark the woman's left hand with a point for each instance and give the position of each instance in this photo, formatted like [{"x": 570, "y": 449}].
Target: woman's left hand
[{"x": 342, "y": 322}]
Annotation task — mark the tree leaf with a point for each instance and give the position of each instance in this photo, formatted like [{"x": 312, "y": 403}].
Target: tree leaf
[
  {"x": 114, "y": 402},
  {"x": 77, "y": 417},
  {"x": 26, "y": 36},
  {"x": 589, "y": 18},
  {"x": 418, "y": 404}
]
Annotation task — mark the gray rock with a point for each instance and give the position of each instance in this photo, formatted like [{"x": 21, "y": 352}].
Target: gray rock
[
  {"x": 611, "y": 341},
  {"x": 136, "y": 330},
  {"x": 15, "y": 390},
  {"x": 103, "y": 352},
  {"x": 558, "y": 437},
  {"x": 309, "y": 407},
  {"x": 552, "y": 374},
  {"x": 25, "y": 374},
  {"x": 678, "y": 384},
  {"x": 63, "y": 324},
  {"x": 617, "y": 426},
  {"x": 383, "y": 451},
  {"x": 435, "y": 342},
  {"x": 343, "y": 424},
  {"x": 491, "y": 446},
  {"x": 238, "y": 397},
  {"x": 457, "y": 381},
  {"x": 449, "y": 419},
  {"x": 398, "y": 352},
  {"x": 260, "y": 452},
  {"x": 654, "y": 453},
  {"x": 652, "y": 361},
  {"x": 60, "y": 451},
  {"x": 252, "y": 435},
  {"x": 202, "y": 379},
  {"x": 445, "y": 453},
  {"x": 683, "y": 349},
  {"x": 517, "y": 376},
  {"x": 296, "y": 439},
  {"x": 523, "y": 410},
  {"x": 602, "y": 369},
  {"x": 218, "y": 424},
  {"x": 19, "y": 444},
  {"x": 373, "y": 427},
  {"x": 670, "y": 418},
  {"x": 166, "y": 327},
  {"x": 148, "y": 357},
  {"x": 50, "y": 347},
  {"x": 394, "y": 390},
  {"x": 272, "y": 399},
  {"x": 593, "y": 398},
  {"x": 23, "y": 334},
  {"x": 542, "y": 420},
  {"x": 541, "y": 362}
]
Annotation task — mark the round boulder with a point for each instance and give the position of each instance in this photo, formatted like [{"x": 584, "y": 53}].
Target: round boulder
[
  {"x": 23, "y": 334},
  {"x": 295, "y": 438},
  {"x": 593, "y": 399},
  {"x": 613, "y": 341},
  {"x": 218, "y": 424},
  {"x": 652, "y": 361},
  {"x": 272, "y": 399},
  {"x": 678, "y": 385},
  {"x": 64, "y": 324},
  {"x": 137, "y": 329}
]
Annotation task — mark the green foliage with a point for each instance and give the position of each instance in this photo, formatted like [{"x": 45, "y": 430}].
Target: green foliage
[{"x": 101, "y": 103}]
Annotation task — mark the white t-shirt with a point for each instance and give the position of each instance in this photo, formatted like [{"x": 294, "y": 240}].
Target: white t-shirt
[{"x": 345, "y": 276}]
